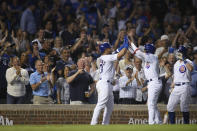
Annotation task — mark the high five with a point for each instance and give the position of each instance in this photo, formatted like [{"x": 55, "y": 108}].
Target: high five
[{"x": 151, "y": 70}]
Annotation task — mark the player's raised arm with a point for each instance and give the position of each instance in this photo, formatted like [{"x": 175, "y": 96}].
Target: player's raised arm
[
  {"x": 134, "y": 50},
  {"x": 105, "y": 83},
  {"x": 149, "y": 48},
  {"x": 180, "y": 55},
  {"x": 188, "y": 65},
  {"x": 123, "y": 48}
]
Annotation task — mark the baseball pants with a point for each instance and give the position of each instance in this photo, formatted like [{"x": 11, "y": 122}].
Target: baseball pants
[
  {"x": 154, "y": 89},
  {"x": 179, "y": 94},
  {"x": 105, "y": 101}
]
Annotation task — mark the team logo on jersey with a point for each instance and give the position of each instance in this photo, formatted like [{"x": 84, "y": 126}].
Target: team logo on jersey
[
  {"x": 182, "y": 69},
  {"x": 147, "y": 65}
]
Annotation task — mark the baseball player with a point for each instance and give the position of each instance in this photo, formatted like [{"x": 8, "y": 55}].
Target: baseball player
[
  {"x": 104, "y": 86},
  {"x": 151, "y": 71},
  {"x": 181, "y": 82}
]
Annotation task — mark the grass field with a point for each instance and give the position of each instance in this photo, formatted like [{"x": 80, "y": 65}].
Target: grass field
[{"x": 100, "y": 128}]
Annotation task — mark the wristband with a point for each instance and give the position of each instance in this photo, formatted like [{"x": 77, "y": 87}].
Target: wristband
[
  {"x": 135, "y": 51},
  {"x": 185, "y": 62},
  {"x": 120, "y": 48}
]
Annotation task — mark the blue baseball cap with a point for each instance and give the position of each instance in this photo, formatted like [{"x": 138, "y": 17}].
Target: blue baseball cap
[
  {"x": 104, "y": 46},
  {"x": 182, "y": 49},
  {"x": 149, "y": 48}
]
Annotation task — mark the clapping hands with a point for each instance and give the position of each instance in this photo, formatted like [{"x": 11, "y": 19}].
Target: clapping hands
[{"x": 18, "y": 70}]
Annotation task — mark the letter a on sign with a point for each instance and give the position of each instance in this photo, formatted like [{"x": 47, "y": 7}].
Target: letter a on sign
[{"x": 2, "y": 120}]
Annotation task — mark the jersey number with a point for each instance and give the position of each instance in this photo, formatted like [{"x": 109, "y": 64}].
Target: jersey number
[{"x": 102, "y": 63}]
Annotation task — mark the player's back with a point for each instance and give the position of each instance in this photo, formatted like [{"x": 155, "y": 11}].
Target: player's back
[
  {"x": 151, "y": 67},
  {"x": 107, "y": 69}
]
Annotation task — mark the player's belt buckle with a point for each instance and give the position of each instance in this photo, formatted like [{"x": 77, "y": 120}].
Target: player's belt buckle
[
  {"x": 109, "y": 82},
  {"x": 180, "y": 84},
  {"x": 153, "y": 79},
  {"x": 150, "y": 80}
]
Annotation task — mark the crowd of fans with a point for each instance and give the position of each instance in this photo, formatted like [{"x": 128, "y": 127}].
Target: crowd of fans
[{"x": 49, "y": 49}]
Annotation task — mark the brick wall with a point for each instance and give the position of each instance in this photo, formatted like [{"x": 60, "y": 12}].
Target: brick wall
[{"x": 81, "y": 114}]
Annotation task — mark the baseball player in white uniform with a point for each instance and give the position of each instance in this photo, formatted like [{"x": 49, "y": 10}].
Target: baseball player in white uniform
[
  {"x": 181, "y": 83},
  {"x": 104, "y": 86},
  {"x": 151, "y": 71}
]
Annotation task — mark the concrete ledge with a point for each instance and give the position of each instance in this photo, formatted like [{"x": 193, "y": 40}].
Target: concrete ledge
[
  {"x": 80, "y": 114},
  {"x": 90, "y": 107}
]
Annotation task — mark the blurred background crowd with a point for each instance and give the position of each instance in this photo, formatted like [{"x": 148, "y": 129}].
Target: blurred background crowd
[{"x": 49, "y": 49}]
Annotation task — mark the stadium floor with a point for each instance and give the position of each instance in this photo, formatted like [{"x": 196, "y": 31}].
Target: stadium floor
[{"x": 99, "y": 128}]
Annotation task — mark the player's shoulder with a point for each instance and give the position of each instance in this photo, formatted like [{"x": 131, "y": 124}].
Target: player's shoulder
[
  {"x": 102, "y": 57},
  {"x": 152, "y": 58},
  {"x": 188, "y": 60},
  {"x": 155, "y": 56},
  {"x": 108, "y": 57},
  {"x": 150, "y": 55},
  {"x": 177, "y": 63}
]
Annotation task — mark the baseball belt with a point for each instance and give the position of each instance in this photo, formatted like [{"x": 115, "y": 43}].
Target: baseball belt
[
  {"x": 153, "y": 79},
  {"x": 180, "y": 84},
  {"x": 108, "y": 81}
]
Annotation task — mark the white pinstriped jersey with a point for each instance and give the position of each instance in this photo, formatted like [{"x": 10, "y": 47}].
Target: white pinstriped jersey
[
  {"x": 181, "y": 73},
  {"x": 151, "y": 64},
  {"x": 107, "y": 69}
]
